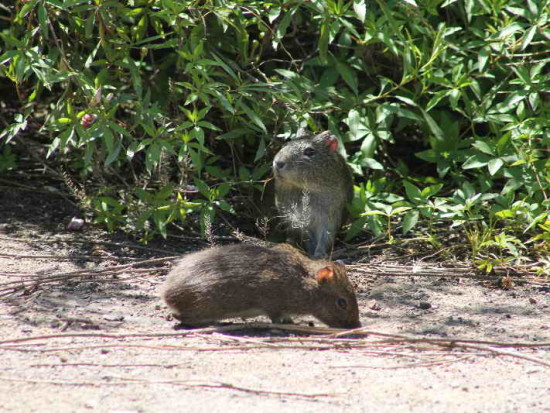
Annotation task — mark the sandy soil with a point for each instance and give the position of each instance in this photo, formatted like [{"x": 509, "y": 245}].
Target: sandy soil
[{"x": 95, "y": 359}]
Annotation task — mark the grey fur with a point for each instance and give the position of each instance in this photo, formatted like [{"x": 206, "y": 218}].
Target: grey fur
[{"x": 311, "y": 192}]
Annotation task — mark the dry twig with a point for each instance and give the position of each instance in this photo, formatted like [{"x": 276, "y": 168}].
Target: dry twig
[
  {"x": 184, "y": 383},
  {"x": 328, "y": 338}
]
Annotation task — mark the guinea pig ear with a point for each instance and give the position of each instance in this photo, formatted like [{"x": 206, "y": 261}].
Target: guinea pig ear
[
  {"x": 325, "y": 275},
  {"x": 332, "y": 142}
]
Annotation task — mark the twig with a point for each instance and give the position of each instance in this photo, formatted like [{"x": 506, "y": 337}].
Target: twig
[
  {"x": 184, "y": 383},
  {"x": 408, "y": 366},
  {"x": 331, "y": 333},
  {"x": 13, "y": 286},
  {"x": 505, "y": 353},
  {"x": 332, "y": 339},
  {"x": 423, "y": 270},
  {"x": 222, "y": 385},
  {"x": 103, "y": 365},
  {"x": 96, "y": 242},
  {"x": 55, "y": 257},
  {"x": 163, "y": 347}
]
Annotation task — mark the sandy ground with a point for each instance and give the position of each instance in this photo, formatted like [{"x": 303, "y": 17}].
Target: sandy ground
[{"x": 87, "y": 348}]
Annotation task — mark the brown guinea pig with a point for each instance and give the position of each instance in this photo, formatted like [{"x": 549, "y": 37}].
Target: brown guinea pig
[
  {"x": 313, "y": 185},
  {"x": 247, "y": 280}
]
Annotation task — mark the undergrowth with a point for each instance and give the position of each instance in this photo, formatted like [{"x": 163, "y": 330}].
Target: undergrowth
[{"x": 170, "y": 111}]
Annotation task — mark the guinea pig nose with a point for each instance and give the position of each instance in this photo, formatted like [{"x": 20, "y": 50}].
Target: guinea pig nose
[{"x": 279, "y": 165}]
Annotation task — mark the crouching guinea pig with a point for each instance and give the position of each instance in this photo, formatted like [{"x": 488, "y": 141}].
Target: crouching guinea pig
[{"x": 246, "y": 281}]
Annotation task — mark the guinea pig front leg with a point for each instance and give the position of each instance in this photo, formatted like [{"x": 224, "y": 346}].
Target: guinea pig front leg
[
  {"x": 280, "y": 319},
  {"x": 322, "y": 239}
]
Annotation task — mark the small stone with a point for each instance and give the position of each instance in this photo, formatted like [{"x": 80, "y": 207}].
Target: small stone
[
  {"x": 424, "y": 305},
  {"x": 124, "y": 411},
  {"x": 373, "y": 305},
  {"x": 532, "y": 300},
  {"x": 191, "y": 189},
  {"x": 113, "y": 317},
  {"x": 76, "y": 224}
]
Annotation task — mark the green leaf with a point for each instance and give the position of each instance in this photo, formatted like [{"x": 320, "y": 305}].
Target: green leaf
[
  {"x": 476, "y": 161},
  {"x": 204, "y": 189},
  {"x": 355, "y": 228},
  {"x": 252, "y": 116},
  {"x": 323, "y": 41},
  {"x": 406, "y": 100},
  {"x": 431, "y": 190},
  {"x": 282, "y": 27},
  {"x": 108, "y": 139},
  {"x": 433, "y": 126},
  {"x": 113, "y": 155},
  {"x": 288, "y": 74},
  {"x": 260, "y": 152},
  {"x": 208, "y": 125},
  {"x": 372, "y": 164},
  {"x": 410, "y": 220},
  {"x": 429, "y": 156},
  {"x": 413, "y": 193},
  {"x": 528, "y": 37},
  {"x": 483, "y": 147},
  {"x": 348, "y": 74},
  {"x": 370, "y": 213},
  {"x": 273, "y": 13},
  {"x": 43, "y": 19},
  {"x": 509, "y": 30},
  {"x": 368, "y": 146},
  {"x": 534, "y": 100},
  {"x": 494, "y": 165},
  {"x": 358, "y": 126},
  {"x": 400, "y": 210},
  {"x": 196, "y": 159},
  {"x": 226, "y": 67},
  {"x": 234, "y": 134},
  {"x": 360, "y": 9},
  {"x": 482, "y": 58},
  {"x": 223, "y": 190},
  {"x": 226, "y": 206}
]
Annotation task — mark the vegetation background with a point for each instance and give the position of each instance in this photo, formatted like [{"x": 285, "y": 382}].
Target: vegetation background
[{"x": 163, "y": 114}]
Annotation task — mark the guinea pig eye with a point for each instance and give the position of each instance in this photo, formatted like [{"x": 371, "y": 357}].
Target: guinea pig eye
[
  {"x": 309, "y": 152},
  {"x": 342, "y": 303}
]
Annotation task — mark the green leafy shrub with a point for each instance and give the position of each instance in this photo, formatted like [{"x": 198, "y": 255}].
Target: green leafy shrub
[{"x": 442, "y": 105}]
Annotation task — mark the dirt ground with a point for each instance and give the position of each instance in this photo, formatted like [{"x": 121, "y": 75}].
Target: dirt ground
[{"x": 105, "y": 344}]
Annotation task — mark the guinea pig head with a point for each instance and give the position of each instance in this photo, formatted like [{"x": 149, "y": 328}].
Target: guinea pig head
[
  {"x": 337, "y": 306},
  {"x": 305, "y": 159}
]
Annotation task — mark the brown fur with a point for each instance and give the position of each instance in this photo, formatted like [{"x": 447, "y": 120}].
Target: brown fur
[
  {"x": 311, "y": 192},
  {"x": 246, "y": 280}
]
